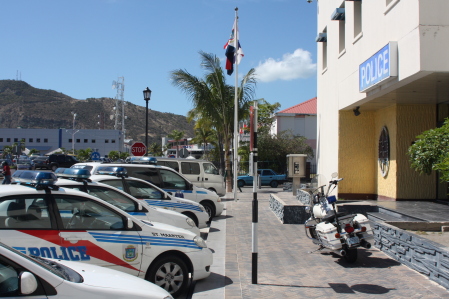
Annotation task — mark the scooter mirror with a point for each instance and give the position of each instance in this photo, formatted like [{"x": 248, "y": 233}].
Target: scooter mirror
[{"x": 335, "y": 175}]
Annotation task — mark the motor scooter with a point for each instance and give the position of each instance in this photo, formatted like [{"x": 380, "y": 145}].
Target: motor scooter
[{"x": 337, "y": 231}]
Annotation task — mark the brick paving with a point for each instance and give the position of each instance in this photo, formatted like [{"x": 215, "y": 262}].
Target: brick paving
[{"x": 286, "y": 269}]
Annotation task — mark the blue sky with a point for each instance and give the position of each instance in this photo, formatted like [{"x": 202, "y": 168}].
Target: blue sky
[{"x": 80, "y": 47}]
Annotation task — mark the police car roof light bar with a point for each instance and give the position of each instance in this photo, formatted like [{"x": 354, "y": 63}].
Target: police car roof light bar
[
  {"x": 39, "y": 179},
  {"x": 113, "y": 170},
  {"x": 143, "y": 160},
  {"x": 72, "y": 173}
]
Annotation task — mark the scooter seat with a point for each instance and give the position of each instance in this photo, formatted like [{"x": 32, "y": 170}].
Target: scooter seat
[{"x": 331, "y": 216}]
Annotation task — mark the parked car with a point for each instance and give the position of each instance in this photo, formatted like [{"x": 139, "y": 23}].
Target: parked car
[
  {"x": 38, "y": 277},
  {"x": 268, "y": 177},
  {"x": 41, "y": 162},
  {"x": 23, "y": 164},
  {"x": 60, "y": 160},
  {"x": 45, "y": 220}
]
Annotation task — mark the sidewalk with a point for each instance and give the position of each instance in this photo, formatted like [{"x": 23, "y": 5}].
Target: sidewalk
[{"x": 286, "y": 269}]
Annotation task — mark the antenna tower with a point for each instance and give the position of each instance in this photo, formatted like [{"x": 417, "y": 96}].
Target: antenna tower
[{"x": 119, "y": 109}]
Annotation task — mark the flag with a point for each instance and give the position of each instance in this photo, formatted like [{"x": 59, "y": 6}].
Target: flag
[{"x": 230, "y": 51}]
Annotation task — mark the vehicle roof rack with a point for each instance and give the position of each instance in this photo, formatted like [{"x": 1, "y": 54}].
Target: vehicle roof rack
[
  {"x": 38, "y": 179},
  {"x": 113, "y": 170}
]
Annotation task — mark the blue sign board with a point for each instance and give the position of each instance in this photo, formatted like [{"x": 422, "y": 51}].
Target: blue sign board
[
  {"x": 378, "y": 68},
  {"x": 95, "y": 156}
]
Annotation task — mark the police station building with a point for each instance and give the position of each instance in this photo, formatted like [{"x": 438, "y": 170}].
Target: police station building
[{"x": 383, "y": 79}]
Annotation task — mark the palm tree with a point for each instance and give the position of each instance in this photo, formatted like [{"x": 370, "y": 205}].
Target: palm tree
[
  {"x": 176, "y": 135},
  {"x": 213, "y": 100}
]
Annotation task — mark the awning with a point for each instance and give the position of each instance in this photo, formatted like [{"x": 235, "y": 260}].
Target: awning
[{"x": 338, "y": 14}]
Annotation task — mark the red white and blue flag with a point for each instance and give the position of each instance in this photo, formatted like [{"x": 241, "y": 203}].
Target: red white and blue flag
[{"x": 233, "y": 56}]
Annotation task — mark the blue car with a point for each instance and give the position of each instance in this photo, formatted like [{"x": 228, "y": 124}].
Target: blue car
[{"x": 268, "y": 177}]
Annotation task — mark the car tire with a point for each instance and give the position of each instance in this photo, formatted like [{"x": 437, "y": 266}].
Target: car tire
[
  {"x": 54, "y": 167},
  {"x": 170, "y": 273},
  {"x": 274, "y": 184},
  {"x": 241, "y": 183},
  {"x": 210, "y": 209}
]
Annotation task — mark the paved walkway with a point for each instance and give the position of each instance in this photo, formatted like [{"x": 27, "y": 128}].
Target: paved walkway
[{"x": 286, "y": 269}]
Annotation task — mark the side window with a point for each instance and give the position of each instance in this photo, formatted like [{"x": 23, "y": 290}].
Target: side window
[
  {"x": 210, "y": 168},
  {"x": 9, "y": 284},
  {"x": 82, "y": 213},
  {"x": 113, "y": 197},
  {"x": 143, "y": 191},
  {"x": 60, "y": 159},
  {"x": 190, "y": 168},
  {"x": 172, "y": 180},
  {"x": 115, "y": 183},
  {"x": 174, "y": 165},
  {"x": 25, "y": 212},
  {"x": 267, "y": 173},
  {"x": 146, "y": 174}
]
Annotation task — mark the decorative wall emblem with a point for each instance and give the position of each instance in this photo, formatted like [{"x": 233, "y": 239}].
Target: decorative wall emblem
[{"x": 384, "y": 151}]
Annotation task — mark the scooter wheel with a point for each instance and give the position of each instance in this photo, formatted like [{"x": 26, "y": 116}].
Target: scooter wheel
[{"x": 351, "y": 255}]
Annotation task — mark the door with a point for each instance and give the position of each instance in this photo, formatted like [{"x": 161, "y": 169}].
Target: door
[
  {"x": 96, "y": 234},
  {"x": 212, "y": 178}
]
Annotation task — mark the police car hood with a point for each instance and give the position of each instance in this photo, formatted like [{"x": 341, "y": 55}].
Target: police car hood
[{"x": 102, "y": 277}]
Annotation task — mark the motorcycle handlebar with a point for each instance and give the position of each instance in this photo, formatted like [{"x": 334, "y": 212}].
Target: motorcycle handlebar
[{"x": 336, "y": 181}]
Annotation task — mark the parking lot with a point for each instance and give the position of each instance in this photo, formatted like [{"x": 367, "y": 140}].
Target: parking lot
[{"x": 287, "y": 269}]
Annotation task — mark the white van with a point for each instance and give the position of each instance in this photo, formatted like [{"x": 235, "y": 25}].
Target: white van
[
  {"x": 201, "y": 173},
  {"x": 167, "y": 179}
]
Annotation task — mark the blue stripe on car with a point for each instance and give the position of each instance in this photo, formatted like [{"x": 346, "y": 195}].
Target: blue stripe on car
[{"x": 176, "y": 205}]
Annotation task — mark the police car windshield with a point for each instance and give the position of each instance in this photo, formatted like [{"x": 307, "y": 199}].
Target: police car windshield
[{"x": 54, "y": 267}]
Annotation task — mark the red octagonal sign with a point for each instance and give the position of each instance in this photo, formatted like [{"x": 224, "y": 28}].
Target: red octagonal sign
[{"x": 138, "y": 149}]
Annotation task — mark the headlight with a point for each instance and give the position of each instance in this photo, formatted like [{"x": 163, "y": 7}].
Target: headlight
[
  {"x": 190, "y": 222},
  {"x": 200, "y": 242},
  {"x": 202, "y": 208}
]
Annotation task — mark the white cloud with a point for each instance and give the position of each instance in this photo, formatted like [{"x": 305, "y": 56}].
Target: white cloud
[{"x": 291, "y": 66}]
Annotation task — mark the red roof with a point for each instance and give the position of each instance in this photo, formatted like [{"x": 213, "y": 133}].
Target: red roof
[{"x": 307, "y": 107}]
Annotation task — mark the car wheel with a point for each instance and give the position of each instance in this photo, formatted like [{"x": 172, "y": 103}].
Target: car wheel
[
  {"x": 54, "y": 167},
  {"x": 274, "y": 184},
  {"x": 241, "y": 183},
  {"x": 209, "y": 209},
  {"x": 170, "y": 273}
]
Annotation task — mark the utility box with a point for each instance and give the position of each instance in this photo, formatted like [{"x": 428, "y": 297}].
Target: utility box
[{"x": 296, "y": 169}]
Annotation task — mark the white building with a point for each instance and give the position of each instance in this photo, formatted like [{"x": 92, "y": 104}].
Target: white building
[
  {"x": 47, "y": 140},
  {"x": 383, "y": 78},
  {"x": 301, "y": 120}
]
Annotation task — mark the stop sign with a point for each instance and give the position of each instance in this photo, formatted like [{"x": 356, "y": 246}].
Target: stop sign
[{"x": 138, "y": 149}]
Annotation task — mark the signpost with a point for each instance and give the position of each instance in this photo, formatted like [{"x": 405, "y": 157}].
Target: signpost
[
  {"x": 95, "y": 156},
  {"x": 138, "y": 149}
]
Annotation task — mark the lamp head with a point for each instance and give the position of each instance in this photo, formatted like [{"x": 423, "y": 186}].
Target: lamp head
[
  {"x": 147, "y": 94},
  {"x": 356, "y": 111}
]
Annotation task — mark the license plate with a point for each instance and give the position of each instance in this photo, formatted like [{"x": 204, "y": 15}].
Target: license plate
[{"x": 353, "y": 241}]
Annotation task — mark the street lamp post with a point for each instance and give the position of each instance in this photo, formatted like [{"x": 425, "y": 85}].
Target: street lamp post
[
  {"x": 146, "y": 97},
  {"x": 73, "y": 132}
]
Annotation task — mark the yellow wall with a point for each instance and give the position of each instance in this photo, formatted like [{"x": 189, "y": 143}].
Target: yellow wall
[{"x": 358, "y": 152}]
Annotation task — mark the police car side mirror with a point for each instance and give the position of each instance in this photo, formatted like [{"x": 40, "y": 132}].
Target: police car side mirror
[
  {"x": 129, "y": 223},
  {"x": 139, "y": 207},
  {"x": 190, "y": 186},
  {"x": 27, "y": 282}
]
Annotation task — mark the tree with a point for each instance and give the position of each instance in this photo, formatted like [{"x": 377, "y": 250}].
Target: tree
[
  {"x": 213, "y": 100},
  {"x": 113, "y": 155},
  {"x": 265, "y": 115},
  {"x": 176, "y": 135},
  {"x": 84, "y": 154},
  {"x": 33, "y": 151},
  {"x": 430, "y": 151},
  {"x": 155, "y": 149}
]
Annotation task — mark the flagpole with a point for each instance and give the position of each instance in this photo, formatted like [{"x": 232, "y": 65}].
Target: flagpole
[{"x": 235, "y": 170}]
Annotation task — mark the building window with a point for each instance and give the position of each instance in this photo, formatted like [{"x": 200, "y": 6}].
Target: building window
[
  {"x": 1, "y": 139},
  {"x": 341, "y": 34},
  {"x": 86, "y": 141},
  {"x": 16, "y": 139},
  {"x": 8, "y": 139},
  {"x": 78, "y": 140},
  {"x": 38, "y": 140},
  {"x": 93, "y": 140},
  {"x": 70, "y": 140},
  {"x": 30, "y": 140},
  {"x": 357, "y": 18},
  {"x": 113, "y": 141},
  {"x": 46, "y": 140},
  {"x": 106, "y": 141}
]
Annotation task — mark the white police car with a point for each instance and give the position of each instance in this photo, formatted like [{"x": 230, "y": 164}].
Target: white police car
[
  {"x": 117, "y": 177},
  {"x": 39, "y": 218},
  {"x": 167, "y": 179},
  {"x": 22, "y": 276},
  {"x": 78, "y": 179}
]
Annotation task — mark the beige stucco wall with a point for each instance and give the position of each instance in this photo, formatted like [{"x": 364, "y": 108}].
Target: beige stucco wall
[{"x": 356, "y": 153}]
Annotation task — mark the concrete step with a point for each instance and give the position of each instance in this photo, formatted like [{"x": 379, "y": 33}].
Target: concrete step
[{"x": 390, "y": 215}]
